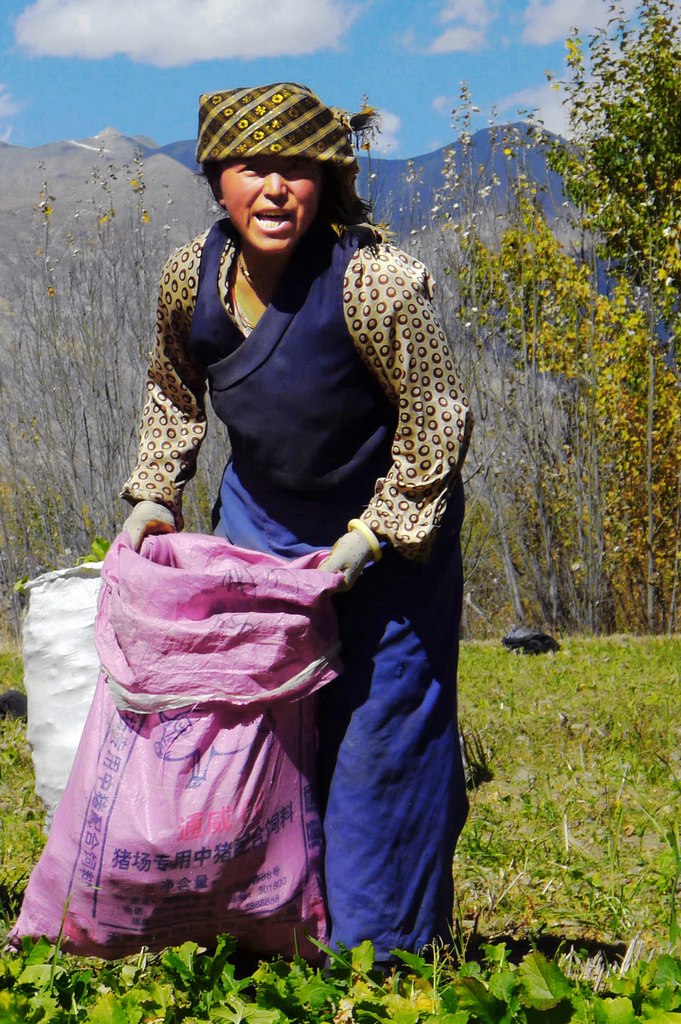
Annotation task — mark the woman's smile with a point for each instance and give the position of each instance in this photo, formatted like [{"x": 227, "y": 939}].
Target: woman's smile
[{"x": 272, "y": 220}]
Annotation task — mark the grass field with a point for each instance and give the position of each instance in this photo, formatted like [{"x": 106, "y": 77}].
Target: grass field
[{"x": 574, "y": 832}]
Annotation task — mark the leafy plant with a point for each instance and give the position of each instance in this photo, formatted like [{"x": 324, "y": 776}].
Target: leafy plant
[
  {"x": 191, "y": 985},
  {"x": 98, "y": 550}
]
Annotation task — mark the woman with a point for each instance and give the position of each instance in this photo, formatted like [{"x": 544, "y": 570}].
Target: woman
[{"x": 348, "y": 428}]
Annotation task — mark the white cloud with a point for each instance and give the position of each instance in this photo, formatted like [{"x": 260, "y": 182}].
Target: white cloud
[
  {"x": 387, "y": 141},
  {"x": 445, "y": 104},
  {"x": 462, "y": 38},
  {"x": 544, "y": 100},
  {"x": 552, "y": 21},
  {"x": 168, "y": 33},
  {"x": 471, "y": 19},
  {"x": 472, "y": 12},
  {"x": 8, "y": 107}
]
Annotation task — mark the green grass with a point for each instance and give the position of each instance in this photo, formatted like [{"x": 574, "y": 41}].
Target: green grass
[
  {"x": 576, "y": 834},
  {"x": 11, "y": 671},
  {"x": 21, "y": 813}
]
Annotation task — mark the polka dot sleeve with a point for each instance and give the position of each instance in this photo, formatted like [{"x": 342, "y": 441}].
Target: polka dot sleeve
[
  {"x": 388, "y": 309},
  {"x": 173, "y": 419}
]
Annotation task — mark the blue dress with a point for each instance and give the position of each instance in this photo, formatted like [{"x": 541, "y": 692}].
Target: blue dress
[{"x": 311, "y": 432}]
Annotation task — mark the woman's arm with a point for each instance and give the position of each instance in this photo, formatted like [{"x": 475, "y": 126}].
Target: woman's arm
[
  {"x": 389, "y": 312},
  {"x": 173, "y": 419}
]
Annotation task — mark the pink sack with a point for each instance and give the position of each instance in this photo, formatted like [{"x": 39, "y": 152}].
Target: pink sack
[{"x": 198, "y": 817}]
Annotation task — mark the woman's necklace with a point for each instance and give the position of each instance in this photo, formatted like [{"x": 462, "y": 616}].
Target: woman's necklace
[
  {"x": 241, "y": 263},
  {"x": 243, "y": 321},
  {"x": 248, "y": 304},
  {"x": 245, "y": 314}
]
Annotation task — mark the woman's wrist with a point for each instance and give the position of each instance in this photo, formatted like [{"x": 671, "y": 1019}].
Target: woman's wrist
[{"x": 369, "y": 536}]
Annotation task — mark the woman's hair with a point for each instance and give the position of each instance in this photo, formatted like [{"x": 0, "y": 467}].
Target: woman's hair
[{"x": 340, "y": 203}]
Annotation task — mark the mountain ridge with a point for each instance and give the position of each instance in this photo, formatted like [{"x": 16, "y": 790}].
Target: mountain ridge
[
  {"x": 103, "y": 172},
  {"x": 379, "y": 177}
]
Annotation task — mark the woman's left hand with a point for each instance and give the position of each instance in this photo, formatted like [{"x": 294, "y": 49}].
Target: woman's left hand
[
  {"x": 148, "y": 517},
  {"x": 349, "y": 555}
]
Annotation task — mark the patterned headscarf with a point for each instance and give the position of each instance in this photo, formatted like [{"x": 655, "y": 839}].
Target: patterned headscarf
[{"x": 283, "y": 119}]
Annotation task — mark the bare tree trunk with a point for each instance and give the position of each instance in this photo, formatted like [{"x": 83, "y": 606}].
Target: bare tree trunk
[
  {"x": 651, "y": 583},
  {"x": 677, "y": 565},
  {"x": 650, "y": 458}
]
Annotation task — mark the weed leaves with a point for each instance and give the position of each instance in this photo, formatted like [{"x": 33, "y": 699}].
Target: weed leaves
[{"x": 188, "y": 985}]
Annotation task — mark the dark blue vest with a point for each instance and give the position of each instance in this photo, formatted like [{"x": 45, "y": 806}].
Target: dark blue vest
[{"x": 303, "y": 413}]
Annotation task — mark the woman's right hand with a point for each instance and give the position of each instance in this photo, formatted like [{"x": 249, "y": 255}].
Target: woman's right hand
[
  {"x": 351, "y": 552},
  {"x": 148, "y": 517}
]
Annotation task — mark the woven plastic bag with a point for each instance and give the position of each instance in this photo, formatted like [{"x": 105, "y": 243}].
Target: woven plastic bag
[
  {"x": 199, "y": 816},
  {"x": 60, "y": 671}
]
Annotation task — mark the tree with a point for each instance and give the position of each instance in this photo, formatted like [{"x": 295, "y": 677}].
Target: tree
[
  {"x": 623, "y": 170},
  {"x": 557, "y": 372},
  {"x": 80, "y": 327}
]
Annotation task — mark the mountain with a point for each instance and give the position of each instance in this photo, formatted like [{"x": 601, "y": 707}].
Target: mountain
[
  {"x": 77, "y": 180},
  {"x": 70, "y": 165},
  {"x": 392, "y": 184},
  {"x": 403, "y": 191},
  {"x": 70, "y": 168},
  {"x": 89, "y": 176}
]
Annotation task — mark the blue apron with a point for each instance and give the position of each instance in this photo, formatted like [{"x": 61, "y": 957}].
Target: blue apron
[{"x": 391, "y": 779}]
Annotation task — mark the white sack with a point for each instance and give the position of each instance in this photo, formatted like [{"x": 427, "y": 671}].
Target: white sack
[{"x": 61, "y": 666}]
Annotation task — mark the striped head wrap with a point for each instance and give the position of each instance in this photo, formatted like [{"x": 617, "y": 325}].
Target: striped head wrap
[{"x": 283, "y": 119}]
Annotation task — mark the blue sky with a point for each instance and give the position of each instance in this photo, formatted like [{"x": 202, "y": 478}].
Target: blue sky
[{"x": 70, "y": 68}]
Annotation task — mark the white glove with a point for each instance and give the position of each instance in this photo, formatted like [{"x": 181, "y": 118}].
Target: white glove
[
  {"x": 351, "y": 552},
  {"x": 148, "y": 517}
]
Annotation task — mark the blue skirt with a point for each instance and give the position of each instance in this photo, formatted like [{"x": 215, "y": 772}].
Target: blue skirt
[{"x": 391, "y": 778}]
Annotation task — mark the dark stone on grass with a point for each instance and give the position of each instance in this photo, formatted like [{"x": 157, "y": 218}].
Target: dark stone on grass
[
  {"x": 551, "y": 945},
  {"x": 11, "y": 897},
  {"x": 12, "y": 704},
  {"x": 529, "y": 641}
]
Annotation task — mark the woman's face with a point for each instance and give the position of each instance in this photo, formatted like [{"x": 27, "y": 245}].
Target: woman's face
[{"x": 270, "y": 200}]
